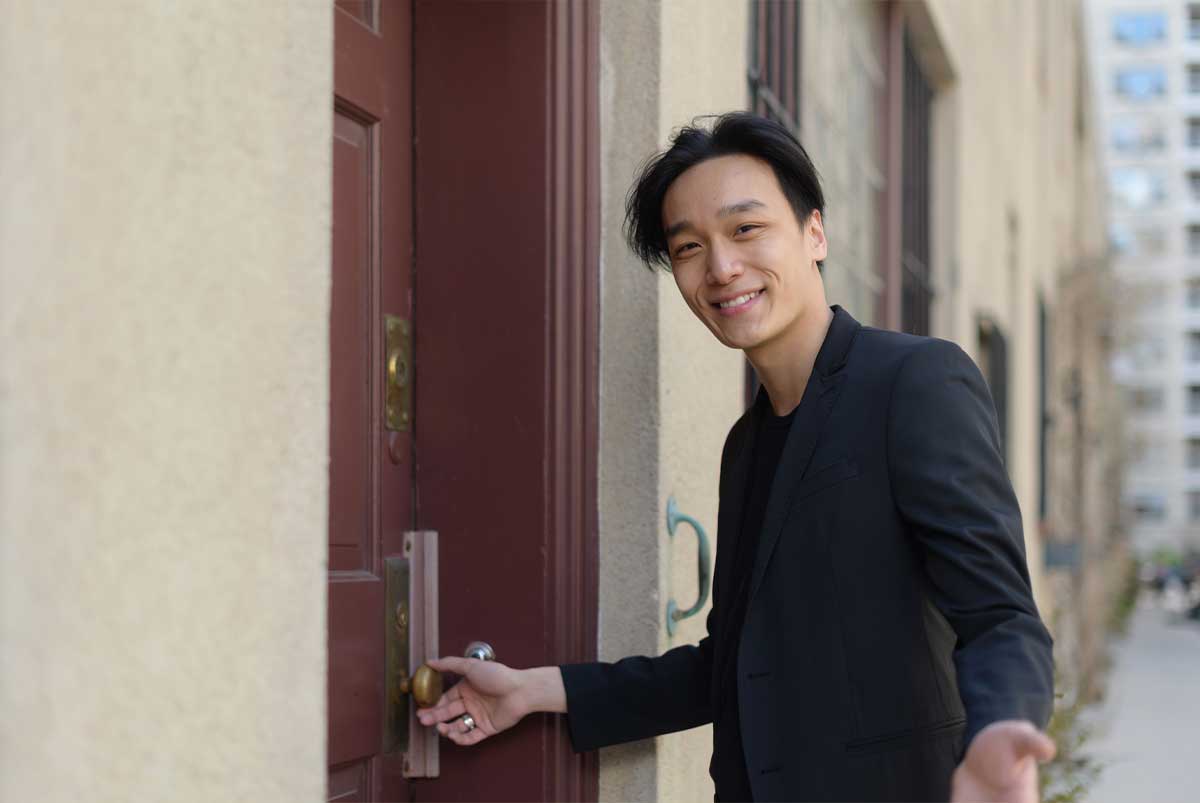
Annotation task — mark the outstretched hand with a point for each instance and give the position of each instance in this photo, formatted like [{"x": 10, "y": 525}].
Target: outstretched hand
[
  {"x": 490, "y": 692},
  {"x": 1001, "y": 764}
]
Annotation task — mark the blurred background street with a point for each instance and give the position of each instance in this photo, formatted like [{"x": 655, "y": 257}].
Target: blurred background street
[{"x": 1148, "y": 724}]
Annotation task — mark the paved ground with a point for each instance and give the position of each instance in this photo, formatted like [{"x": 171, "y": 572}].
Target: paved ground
[{"x": 1150, "y": 721}]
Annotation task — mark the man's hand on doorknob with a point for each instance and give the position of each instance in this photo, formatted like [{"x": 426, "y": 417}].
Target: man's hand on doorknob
[{"x": 496, "y": 696}]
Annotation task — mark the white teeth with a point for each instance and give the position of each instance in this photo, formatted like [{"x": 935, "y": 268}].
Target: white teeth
[{"x": 738, "y": 301}]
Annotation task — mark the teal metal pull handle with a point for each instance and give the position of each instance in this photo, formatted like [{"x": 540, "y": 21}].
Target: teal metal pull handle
[{"x": 704, "y": 560}]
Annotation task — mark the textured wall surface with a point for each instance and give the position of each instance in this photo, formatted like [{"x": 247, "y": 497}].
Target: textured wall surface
[
  {"x": 630, "y": 519},
  {"x": 164, "y": 261}
]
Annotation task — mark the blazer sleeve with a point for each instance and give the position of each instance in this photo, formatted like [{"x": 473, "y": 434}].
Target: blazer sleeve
[
  {"x": 949, "y": 482},
  {"x": 639, "y": 697}
]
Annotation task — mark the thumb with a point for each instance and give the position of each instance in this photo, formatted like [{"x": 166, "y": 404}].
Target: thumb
[{"x": 1032, "y": 742}]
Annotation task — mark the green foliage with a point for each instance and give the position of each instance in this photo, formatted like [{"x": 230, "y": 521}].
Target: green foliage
[
  {"x": 1073, "y": 772},
  {"x": 1166, "y": 556},
  {"x": 1126, "y": 599}
]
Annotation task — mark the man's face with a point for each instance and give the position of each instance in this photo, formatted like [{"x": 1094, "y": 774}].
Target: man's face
[{"x": 731, "y": 232}]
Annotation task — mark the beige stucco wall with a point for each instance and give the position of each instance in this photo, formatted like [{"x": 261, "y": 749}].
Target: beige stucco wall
[
  {"x": 164, "y": 253},
  {"x": 630, "y": 516}
]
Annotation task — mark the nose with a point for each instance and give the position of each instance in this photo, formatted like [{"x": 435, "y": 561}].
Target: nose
[{"x": 723, "y": 265}]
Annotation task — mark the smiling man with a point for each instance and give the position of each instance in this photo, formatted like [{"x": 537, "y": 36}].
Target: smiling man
[{"x": 873, "y": 634}]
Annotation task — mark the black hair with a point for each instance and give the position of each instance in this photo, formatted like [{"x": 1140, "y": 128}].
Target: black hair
[{"x": 732, "y": 133}]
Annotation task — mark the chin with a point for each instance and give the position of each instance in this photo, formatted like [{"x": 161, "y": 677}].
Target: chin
[{"x": 745, "y": 343}]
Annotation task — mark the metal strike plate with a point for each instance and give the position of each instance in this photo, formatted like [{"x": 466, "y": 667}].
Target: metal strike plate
[
  {"x": 412, "y": 579},
  {"x": 398, "y": 365},
  {"x": 397, "y": 621}
]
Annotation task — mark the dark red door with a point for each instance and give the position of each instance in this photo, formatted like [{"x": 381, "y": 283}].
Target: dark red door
[
  {"x": 370, "y": 467},
  {"x": 464, "y": 201}
]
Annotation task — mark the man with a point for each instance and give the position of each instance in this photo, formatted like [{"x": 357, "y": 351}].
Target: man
[{"x": 873, "y": 634}]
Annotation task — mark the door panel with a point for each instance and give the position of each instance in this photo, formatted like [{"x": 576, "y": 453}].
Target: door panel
[
  {"x": 482, "y": 433},
  {"x": 370, "y": 468},
  {"x": 350, "y": 531}
]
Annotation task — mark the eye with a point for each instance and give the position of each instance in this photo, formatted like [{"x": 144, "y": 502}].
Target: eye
[
  {"x": 683, "y": 248},
  {"x": 745, "y": 227}
]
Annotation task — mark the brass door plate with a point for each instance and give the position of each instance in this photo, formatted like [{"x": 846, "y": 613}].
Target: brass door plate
[
  {"x": 398, "y": 366},
  {"x": 411, "y": 639},
  {"x": 397, "y": 618}
]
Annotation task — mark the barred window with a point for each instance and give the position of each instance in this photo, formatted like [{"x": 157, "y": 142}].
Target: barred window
[
  {"x": 1140, "y": 28},
  {"x": 1149, "y": 507},
  {"x": 775, "y": 60},
  {"x": 1193, "y": 293},
  {"x": 916, "y": 285},
  {"x": 993, "y": 364},
  {"x": 1141, "y": 82},
  {"x": 1193, "y": 452},
  {"x": 1193, "y": 400},
  {"x": 1135, "y": 136},
  {"x": 1146, "y": 399},
  {"x": 1194, "y": 505}
]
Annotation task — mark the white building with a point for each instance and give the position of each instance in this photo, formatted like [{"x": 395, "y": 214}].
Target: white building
[{"x": 1146, "y": 63}]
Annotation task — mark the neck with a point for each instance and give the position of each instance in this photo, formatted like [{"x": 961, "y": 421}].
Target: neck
[{"x": 785, "y": 364}]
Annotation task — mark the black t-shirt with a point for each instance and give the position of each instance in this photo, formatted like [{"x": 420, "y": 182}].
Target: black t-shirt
[{"x": 729, "y": 763}]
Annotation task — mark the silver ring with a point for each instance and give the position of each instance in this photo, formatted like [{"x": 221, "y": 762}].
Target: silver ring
[{"x": 469, "y": 722}]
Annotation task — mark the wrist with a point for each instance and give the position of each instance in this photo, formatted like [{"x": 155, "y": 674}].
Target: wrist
[{"x": 543, "y": 691}]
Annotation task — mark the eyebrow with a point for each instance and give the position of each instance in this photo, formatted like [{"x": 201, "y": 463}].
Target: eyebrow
[{"x": 725, "y": 211}]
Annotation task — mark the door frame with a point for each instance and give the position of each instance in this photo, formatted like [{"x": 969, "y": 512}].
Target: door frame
[{"x": 573, "y": 506}]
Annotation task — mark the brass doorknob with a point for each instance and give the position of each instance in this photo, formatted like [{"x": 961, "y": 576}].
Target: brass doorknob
[{"x": 425, "y": 686}]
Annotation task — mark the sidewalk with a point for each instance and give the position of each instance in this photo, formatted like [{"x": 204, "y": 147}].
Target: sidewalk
[{"x": 1149, "y": 725}]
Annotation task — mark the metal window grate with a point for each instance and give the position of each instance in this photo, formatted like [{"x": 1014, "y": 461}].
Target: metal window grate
[
  {"x": 993, "y": 364},
  {"x": 774, "y": 73},
  {"x": 916, "y": 287}
]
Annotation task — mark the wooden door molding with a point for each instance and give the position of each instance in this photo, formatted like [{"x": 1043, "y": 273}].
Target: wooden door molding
[{"x": 574, "y": 270}]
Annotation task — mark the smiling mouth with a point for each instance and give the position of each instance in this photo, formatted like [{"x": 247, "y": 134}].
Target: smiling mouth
[{"x": 739, "y": 301}]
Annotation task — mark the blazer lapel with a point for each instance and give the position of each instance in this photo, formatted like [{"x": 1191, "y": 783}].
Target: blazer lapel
[{"x": 820, "y": 396}]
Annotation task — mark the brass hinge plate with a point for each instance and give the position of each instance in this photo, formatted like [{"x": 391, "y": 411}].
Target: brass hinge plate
[{"x": 398, "y": 368}]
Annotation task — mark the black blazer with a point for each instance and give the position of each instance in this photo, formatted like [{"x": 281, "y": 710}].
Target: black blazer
[{"x": 890, "y": 616}]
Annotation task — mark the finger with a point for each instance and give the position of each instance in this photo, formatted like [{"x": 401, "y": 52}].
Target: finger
[
  {"x": 474, "y": 737},
  {"x": 459, "y": 666},
  {"x": 467, "y": 739},
  {"x": 454, "y": 694},
  {"x": 442, "y": 713},
  {"x": 1037, "y": 744},
  {"x": 453, "y": 730}
]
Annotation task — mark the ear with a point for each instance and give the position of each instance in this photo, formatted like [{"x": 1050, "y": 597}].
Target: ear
[{"x": 814, "y": 234}]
